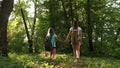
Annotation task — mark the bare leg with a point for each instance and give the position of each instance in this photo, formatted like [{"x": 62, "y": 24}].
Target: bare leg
[
  {"x": 74, "y": 52},
  {"x": 51, "y": 54},
  {"x": 77, "y": 51},
  {"x": 54, "y": 52}
]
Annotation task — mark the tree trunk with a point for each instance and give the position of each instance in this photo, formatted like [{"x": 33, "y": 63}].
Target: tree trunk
[
  {"x": 117, "y": 34},
  {"x": 76, "y": 13},
  {"x": 28, "y": 35},
  {"x": 33, "y": 27},
  {"x": 65, "y": 12},
  {"x": 71, "y": 11},
  {"x": 89, "y": 26},
  {"x": 5, "y": 10},
  {"x": 51, "y": 14}
]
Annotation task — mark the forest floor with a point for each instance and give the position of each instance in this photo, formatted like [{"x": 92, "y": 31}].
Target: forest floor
[{"x": 16, "y": 60}]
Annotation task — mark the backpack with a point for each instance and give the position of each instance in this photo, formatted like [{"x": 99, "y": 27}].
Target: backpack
[
  {"x": 48, "y": 44},
  {"x": 75, "y": 36}
]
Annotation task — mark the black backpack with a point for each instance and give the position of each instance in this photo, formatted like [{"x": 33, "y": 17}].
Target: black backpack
[{"x": 48, "y": 44}]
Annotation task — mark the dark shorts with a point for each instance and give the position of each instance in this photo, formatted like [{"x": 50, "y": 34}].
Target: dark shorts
[{"x": 54, "y": 47}]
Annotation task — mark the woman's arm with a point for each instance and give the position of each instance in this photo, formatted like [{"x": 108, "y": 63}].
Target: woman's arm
[
  {"x": 59, "y": 40},
  {"x": 80, "y": 36},
  {"x": 68, "y": 36}
]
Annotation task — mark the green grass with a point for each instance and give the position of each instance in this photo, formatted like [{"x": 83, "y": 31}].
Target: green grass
[{"x": 61, "y": 61}]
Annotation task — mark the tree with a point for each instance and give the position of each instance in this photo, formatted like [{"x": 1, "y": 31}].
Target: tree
[
  {"x": 27, "y": 32},
  {"x": 30, "y": 34},
  {"x": 88, "y": 12},
  {"x": 5, "y": 10},
  {"x": 64, "y": 9}
]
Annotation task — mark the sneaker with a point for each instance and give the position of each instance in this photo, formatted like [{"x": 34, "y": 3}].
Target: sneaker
[
  {"x": 50, "y": 61},
  {"x": 77, "y": 60}
]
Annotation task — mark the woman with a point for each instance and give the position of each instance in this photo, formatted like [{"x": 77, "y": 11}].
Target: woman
[
  {"x": 76, "y": 44},
  {"x": 54, "y": 38}
]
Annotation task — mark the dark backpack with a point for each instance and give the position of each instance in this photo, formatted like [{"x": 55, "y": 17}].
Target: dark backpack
[{"x": 48, "y": 44}]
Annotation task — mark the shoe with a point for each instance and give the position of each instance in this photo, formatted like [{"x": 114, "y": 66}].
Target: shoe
[
  {"x": 77, "y": 60},
  {"x": 50, "y": 61}
]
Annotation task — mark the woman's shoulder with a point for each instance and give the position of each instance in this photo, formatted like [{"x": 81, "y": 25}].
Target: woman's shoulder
[
  {"x": 71, "y": 28},
  {"x": 79, "y": 28},
  {"x": 54, "y": 35}
]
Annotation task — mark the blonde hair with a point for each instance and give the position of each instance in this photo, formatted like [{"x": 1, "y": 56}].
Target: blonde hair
[{"x": 50, "y": 31}]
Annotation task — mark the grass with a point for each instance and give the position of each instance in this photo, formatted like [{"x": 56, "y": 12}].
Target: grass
[{"x": 61, "y": 61}]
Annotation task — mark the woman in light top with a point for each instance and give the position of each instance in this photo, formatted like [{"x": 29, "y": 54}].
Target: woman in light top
[{"x": 75, "y": 35}]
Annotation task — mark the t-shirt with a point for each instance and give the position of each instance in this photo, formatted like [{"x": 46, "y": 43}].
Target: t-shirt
[
  {"x": 79, "y": 29},
  {"x": 53, "y": 40}
]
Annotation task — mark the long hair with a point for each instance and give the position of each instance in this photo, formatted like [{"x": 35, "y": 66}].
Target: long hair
[
  {"x": 50, "y": 31},
  {"x": 75, "y": 24}
]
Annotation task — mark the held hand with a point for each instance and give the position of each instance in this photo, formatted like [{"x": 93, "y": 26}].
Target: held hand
[{"x": 65, "y": 41}]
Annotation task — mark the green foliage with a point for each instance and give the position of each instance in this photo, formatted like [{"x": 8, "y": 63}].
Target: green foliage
[
  {"x": 61, "y": 60},
  {"x": 16, "y": 36},
  {"x": 50, "y": 13}
]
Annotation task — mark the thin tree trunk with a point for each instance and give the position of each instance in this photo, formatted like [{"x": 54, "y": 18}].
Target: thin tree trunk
[
  {"x": 65, "y": 12},
  {"x": 33, "y": 27},
  {"x": 118, "y": 33},
  {"x": 66, "y": 17},
  {"x": 28, "y": 35},
  {"x": 5, "y": 10},
  {"x": 89, "y": 26},
  {"x": 71, "y": 10},
  {"x": 51, "y": 15},
  {"x": 34, "y": 21},
  {"x": 76, "y": 9}
]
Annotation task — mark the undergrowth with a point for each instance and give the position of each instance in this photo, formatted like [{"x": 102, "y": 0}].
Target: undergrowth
[{"x": 16, "y": 60}]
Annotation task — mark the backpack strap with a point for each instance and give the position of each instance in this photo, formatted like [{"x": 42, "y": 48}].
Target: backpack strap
[{"x": 51, "y": 36}]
